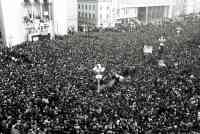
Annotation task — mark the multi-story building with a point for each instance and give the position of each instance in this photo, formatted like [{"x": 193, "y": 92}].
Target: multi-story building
[
  {"x": 21, "y": 20},
  {"x": 184, "y": 7},
  {"x": 192, "y": 6},
  {"x": 178, "y": 8},
  {"x": 106, "y": 13},
  {"x": 145, "y": 10},
  {"x": 87, "y": 12}
]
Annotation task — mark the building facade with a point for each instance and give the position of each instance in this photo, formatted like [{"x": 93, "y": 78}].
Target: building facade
[
  {"x": 192, "y": 6},
  {"x": 106, "y": 13},
  {"x": 94, "y": 13},
  {"x": 21, "y": 20},
  {"x": 145, "y": 10},
  {"x": 184, "y": 7}
]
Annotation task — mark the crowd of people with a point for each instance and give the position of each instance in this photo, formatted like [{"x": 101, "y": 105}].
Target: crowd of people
[{"x": 48, "y": 87}]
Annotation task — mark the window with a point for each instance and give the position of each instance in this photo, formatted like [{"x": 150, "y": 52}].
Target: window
[
  {"x": 79, "y": 6},
  {"x": 124, "y": 10},
  {"x": 89, "y": 7},
  {"x": 89, "y": 16},
  {"x": 127, "y": 11},
  {"x": 26, "y": 1},
  {"x": 1, "y": 40},
  {"x": 107, "y": 16},
  {"x": 100, "y": 7},
  {"x": 100, "y": 16},
  {"x": 79, "y": 14},
  {"x": 93, "y": 7},
  {"x": 85, "y": 7},
  {"x": 108, "y": 8},
  {"x": 93, "y": 16},
  {"x": 118, "y": 12},
  {"x": 37, "y": 1}
]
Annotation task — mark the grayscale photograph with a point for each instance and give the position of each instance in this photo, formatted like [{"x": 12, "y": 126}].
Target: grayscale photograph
[{"x": 99, "y": 66}]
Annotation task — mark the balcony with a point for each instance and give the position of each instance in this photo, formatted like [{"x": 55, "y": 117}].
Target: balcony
[{"x": 38, "y": 18}]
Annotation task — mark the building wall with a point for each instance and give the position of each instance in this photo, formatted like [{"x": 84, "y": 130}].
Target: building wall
[
  {"x": 129, "y": 12},
  {"x": 100, "y": 12},
  {"x": 192, "y": 6},
  {"x": 65, "y": 15},
  {"x": 2, "y": 30},
  {"x": 12, "y": 14},
  {"x": 87, "y": 12},
  {"x": 179, "y": 8},
  {"x": 183, "y": 7},
  {"x": 157, "y": 13},
  {"x": 145, "y": 3},
  {"x": 104, "y": 13},
  {"x": 72, "y": 13}
]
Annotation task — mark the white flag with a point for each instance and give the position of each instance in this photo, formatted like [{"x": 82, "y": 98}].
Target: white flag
[
  {"x": 14, "y": 59},
  {"x": 121, "y": 78},
  {"x": 14, "y": 130},
  {"x": 148, "y": 49},
  {"x": 35, "y": 38},
  {"x": 46, "y": 13},
  {"x": 45, "y": 100},
  {"x": 161, "y": 63},
  {"x": 176, "y": 64}
]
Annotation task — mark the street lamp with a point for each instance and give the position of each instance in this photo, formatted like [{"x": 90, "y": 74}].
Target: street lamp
[
  {"x": 98, "y": 69},
  {"x": 162, "y": 40},
  {"x": 178, "y": 30}
]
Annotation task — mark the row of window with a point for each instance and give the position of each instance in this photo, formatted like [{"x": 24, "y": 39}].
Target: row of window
[
  {"x": 86, "y": 15},
  {"x": 86, "y": 7},
  {"x": 91, "y": 16},
  {"x": 158, "y": 12},
  {"x": 90, "y": 7},
  {"x": 108, "y": 8},
  {"x": 35, "y": 1},
  {"x": 107, "y": 16}
]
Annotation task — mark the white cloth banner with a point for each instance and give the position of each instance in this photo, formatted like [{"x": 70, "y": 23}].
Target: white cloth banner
[
  {"x": 148, "y": 49},
  {"x": 161, "y": 63}
]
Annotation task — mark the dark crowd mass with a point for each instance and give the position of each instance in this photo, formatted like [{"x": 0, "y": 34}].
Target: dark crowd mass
[{"x": 49, "y": 87}]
